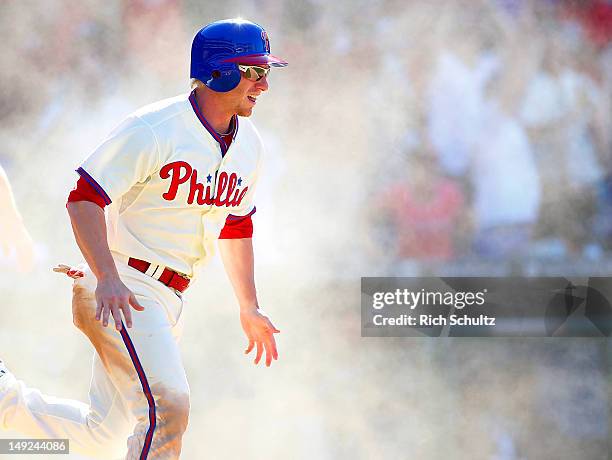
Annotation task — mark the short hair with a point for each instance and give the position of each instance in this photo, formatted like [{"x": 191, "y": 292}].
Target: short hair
[{"x": 195, "y": 83}]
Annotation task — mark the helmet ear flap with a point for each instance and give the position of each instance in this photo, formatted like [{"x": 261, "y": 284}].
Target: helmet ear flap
[{"x": 224, "y": 79}]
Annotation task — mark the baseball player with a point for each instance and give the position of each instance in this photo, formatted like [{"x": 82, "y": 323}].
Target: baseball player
[{"x": 174, "y": 178}]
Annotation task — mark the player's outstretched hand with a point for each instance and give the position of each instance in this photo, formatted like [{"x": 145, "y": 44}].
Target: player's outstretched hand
[
  {"x": 112, "y": 298},
  {"x": 260, "y": 331}
]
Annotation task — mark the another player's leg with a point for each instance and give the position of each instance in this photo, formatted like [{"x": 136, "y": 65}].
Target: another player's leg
[{"x": 98, "y": 430}]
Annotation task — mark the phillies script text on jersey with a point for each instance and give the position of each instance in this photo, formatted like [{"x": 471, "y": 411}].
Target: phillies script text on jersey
[{"x": 181, "y": 172}]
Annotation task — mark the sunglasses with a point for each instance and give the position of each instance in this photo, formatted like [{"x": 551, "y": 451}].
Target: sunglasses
[{"x": 253, "y": 72}]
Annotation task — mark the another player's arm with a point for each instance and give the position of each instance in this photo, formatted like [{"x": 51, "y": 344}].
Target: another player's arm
[
  {"x": 112, "y": 295},
  {"x": 16, "y": 234},
  {"x": 8, "y": 210},
  {"x": 238, "y": 260}
]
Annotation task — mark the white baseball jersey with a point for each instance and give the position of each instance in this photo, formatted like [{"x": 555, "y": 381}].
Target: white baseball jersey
[{"x": 171, "y": 182}]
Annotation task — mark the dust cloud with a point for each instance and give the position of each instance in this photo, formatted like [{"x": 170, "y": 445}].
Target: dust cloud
[{"x": 341, "y": 123}]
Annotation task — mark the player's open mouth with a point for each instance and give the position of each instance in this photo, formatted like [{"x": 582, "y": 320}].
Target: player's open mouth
[{"x": 252, "y": 99}]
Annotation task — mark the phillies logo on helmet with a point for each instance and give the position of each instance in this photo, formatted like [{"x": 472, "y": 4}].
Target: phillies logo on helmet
[{"x": 264, "y": 37}]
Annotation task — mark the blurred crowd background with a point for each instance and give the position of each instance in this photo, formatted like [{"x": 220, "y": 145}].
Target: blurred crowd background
[
  {"x": 503, "y": 150},
  {"x": 465, "y": 137}
]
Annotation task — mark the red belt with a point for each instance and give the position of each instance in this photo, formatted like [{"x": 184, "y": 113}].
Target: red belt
[{"x": 168, "y": 277}]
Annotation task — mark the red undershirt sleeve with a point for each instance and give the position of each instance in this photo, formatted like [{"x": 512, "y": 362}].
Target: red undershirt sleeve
[
  {"x": 83, "y": 191},
  {"x": 237, "y": 227}
]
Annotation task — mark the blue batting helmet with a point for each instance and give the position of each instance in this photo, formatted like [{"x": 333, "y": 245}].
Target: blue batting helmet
[{"x": 220, "y": 46}]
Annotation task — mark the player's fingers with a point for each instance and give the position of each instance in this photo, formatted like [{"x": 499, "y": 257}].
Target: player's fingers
[
  {"x": 250, "y": 347},
  {"x": 272, "y": 345},
  {"x": 105, "y": 314},
  {"x": 127, "y": 314},
  {"x": 259, "y": 352},
  {"x": 117, "y": 316},
  {"x": 135, "y": 304},
  {"x": 99, "y": 308},
  {"x": 268, "y": 354}
]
